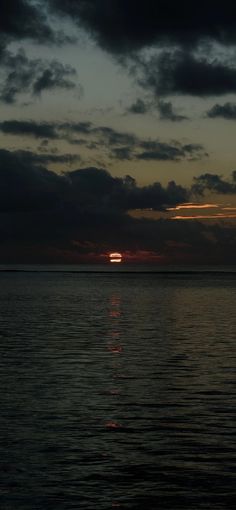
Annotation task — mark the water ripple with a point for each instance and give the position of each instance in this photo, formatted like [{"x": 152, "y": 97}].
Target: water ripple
[{"x": 117, "y": 392}]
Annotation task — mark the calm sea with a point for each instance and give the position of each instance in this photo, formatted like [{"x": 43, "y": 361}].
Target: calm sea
[{"x": 118, "y": 388}]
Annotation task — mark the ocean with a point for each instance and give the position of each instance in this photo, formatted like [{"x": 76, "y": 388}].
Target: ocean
[{"x": 118, "y": 388}]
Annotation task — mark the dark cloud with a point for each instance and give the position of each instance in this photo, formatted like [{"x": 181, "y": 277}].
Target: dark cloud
[
  {"x": 214, "y": 183},
  {"x": 170, "y": 152},
  {"x": 26, "y": 19},
  {"x": 43, "y": 211},
  {"x": 25, "y": 183},
  {"x": 17, "y": 74},
  {"x": 125, "y": 26},
  {"x": 29, "y": 128},
  {"x": 139, "y": 107},
  {"x": 78, "y": 127},
  {"x": 23, "y": 19},
  {"x": 113, "y": 137},
  {"x": 50, "y": 130},
  {"x": 57, "y": 75},
  {"x": 96, "y": 187},
  {"x": 28, "y": 158},
  {"x": 126, "y": 146},
  {"x": 116, "y": 144},
  {"x": 23, "y": 75},
  {"x": 39, "y": 206},
  {"x": 181, "y": 37},
  {"x": 67, "y": 130},
  {"x": 122, "y": 153},
  {"x": 167, "y": 112},
  {"x": 87, "y": 188},
  {"x": 81, "y": 141},
  {"x": 155, "y": 196},
  {"x": 165, "y": 109},
  {"x": 46, "y": 217},
  {"x": 155, "y": 150},
  {"x": 180, "y": 72},
  {"x": 226, "y": 111},
  {"x": 48, "y": 158}
]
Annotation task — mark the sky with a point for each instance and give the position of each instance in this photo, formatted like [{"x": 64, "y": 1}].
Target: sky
[{"x": 117, "y": 131}]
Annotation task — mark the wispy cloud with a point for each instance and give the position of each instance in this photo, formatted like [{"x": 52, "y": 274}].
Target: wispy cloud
[
  {"x": 225, "y": 111},
  {"x": 117, "y": 145},
  {"x": 21, "y": 74}
]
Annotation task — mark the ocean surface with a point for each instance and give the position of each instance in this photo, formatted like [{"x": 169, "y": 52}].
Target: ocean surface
[{"x": 117, "y": 388}]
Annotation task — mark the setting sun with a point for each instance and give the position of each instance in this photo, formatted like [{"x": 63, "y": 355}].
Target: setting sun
[{"x": 115, "y": 257}]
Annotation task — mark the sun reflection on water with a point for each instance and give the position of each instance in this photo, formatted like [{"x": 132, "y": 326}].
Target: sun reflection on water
[{"x": 115, "y": 348}]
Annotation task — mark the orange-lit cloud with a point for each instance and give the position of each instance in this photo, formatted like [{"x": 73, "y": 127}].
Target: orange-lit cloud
[
  {"x": 190, "y": 205},
  {"x": 221, "y": 212},
  {"x": 205, "y": 217}
]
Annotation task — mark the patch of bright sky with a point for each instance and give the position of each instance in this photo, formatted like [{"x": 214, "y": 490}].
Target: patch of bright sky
[{"x": 104, "y": 83}]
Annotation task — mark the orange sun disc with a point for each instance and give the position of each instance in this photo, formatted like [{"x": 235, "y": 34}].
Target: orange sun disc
[{"x": 115, "y": 257}]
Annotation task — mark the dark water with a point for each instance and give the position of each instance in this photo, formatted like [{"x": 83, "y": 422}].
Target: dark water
[{"x": 118, "y": 390}]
